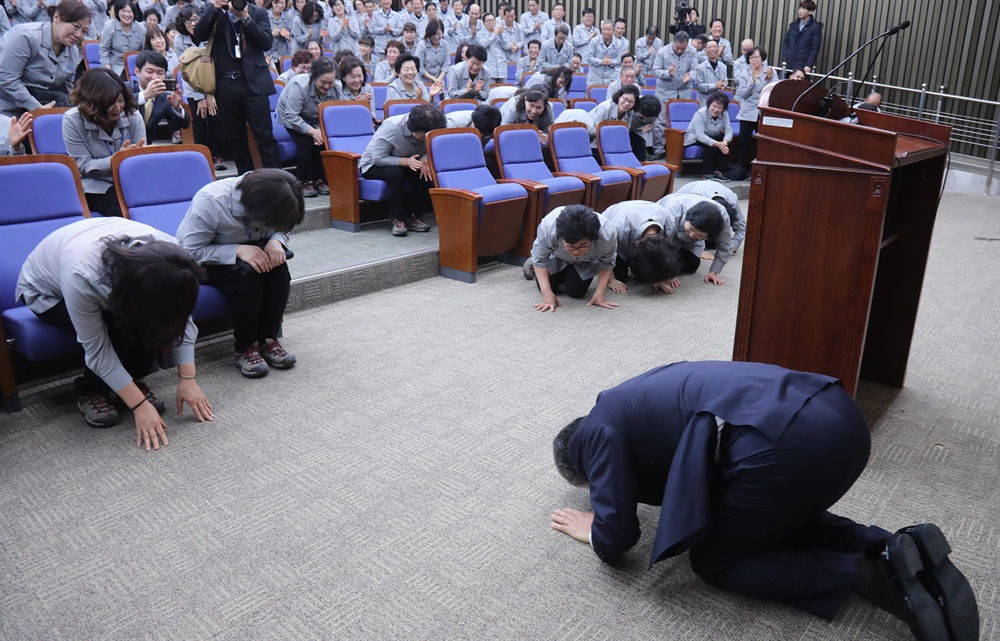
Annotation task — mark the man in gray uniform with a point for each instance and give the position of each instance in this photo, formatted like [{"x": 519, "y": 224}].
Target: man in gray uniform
[
  {"x": 557, "y": 52},
  {"x": 642, "y": 247},
  {"x": 691, "y": 220},
  {"x": 674, "y": 68}
]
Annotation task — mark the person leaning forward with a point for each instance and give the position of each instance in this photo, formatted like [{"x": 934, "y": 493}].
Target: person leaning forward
[{"x": 746, "y": 460}]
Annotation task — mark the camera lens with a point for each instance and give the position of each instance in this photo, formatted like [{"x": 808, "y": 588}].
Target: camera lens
[{"x": 239, "y": 5}]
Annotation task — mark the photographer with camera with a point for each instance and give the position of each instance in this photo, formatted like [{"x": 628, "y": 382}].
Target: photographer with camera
[
  {"x": 686, "y": 19},
  {"x": 242, "y": 33},
  {"x": 158, "y": 97}
]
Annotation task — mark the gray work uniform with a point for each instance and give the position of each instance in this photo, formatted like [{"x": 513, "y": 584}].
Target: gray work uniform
[
  {"x": 677, "y": 206},
  {"x": 433, "y": 60},
  {"x": 631, "y": 219},
  {"x": 27, "y": 60},
  {"x": 669, "y": 86},
  {"x": 711, "y": 189},
  {"x": 706, "y": 76},
  {"x": 550, "y": 57},
  {"x": 548, "y": 251},
  {"x": 91, "y": 147},
  {"x": 458, "y": 79},
  {"x": 391, "y": 143},
  {"x": 599, "y": 73},
  {"x": 512, "y": 36},
  {"x": 376, "y": 27},
  {"x": 581, "y": 36},
  {"x": 298, "y": 105},
  {"x": 496, "y": 61},
  {"x": 115, "y": 43}
]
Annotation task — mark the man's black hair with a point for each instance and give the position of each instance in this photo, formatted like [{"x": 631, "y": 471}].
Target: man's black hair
[
  {"x": 478, "y": 52},
  {"x": 653, "y": 259},
  {"x": 577, "y": 222},
  {"x": 705, "y": 217},
  {"x": 681, "y": 37},
  {"x": 272, "y": 199},
  {"x": 560, "y": 451},
  {"x": 425, "y": 117},
  {"x": 486, "y": 118},
  {"x": 649, "y": 106},
  {"x": 150, "y": 58}
]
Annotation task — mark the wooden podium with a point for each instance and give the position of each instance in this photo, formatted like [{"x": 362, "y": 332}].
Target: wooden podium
[{"x": 838, "y": 230}]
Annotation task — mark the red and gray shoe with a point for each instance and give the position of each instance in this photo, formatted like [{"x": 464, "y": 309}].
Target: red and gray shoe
[
  {"x": 275, "y": 355},
  {"x": 398, "y": 228},
  {"x": 98, "y": 410},
  {"x": 251, "y": 363},
  {"x": 415, "y": 223}
]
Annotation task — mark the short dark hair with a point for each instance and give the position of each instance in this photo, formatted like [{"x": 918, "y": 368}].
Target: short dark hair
[
  {"x": 560, "y": 451},
  {"x": 151, "y": 12},
  {"x": 154, "y": 288},
  {"x": 478, "y": 52},
  {"x": 649, "y": 106},
  {"x": 322, "y": 65},
  {"x": 719, "y": 20},
  {"x": 681, "y": 37},
  {"x": 404, "y": 58},
  {"x": 366, "y": 39},
  {"x": 395, "y": 44},
  {"x": 535, "y": 41},
  {"x": 621, "y": 20},
  {"x": 808, "y": 5},
  {"x": 653, "y": 259},
  {"x": 433, "y": 28},
  {"x": 121, "y": 4},
  {"x": 301, "y": 57},
  {"x": 150, "y": 58},
  {"x": 486, "y": 118},
  {"x": 587, "y": 10},
  {"x": 311, "y": 13},
  {"x": 702, "y": 38},
  {"x": 718, "y": 96},
  {"x": 425, "y": 117},
  {"x": 705, "y": 217},
  {"x": 576, "y": 222},
  {"x": 626, "y": 89},
  {"x": 70, "y": 11},
  {"x": 272, "y": 199},
  {"x": 653, "y": 30},
  {"x": 148, "y": 39},
  {"x": 98, "y": 90},
  {"x": 349, "y": 64},
  {"x": 409, "y": 26},
  {"x": 761, "y": 50},
  {"x": 628, "y": 54}
]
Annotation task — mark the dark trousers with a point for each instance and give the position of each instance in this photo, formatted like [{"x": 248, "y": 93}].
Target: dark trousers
[
  {"x": 621, "y": 268},
  {"x": 207, "y": 131},
  {"x": 772, "y": 536},
  {"x": 569, "y": 279},
  {"x": 638, "y": 144},
  {"x": 712, "y": 158},
  {"x": 105, "y": 204},
  {"x": 748, "y": 144},
  {"x": 308, "y": 162},
  {"x": 408, "y": 193},
  {"x": 239, "y": 107},
  {"x": 259, "y": 300},
  {"x": 137, "y": 359},
  {"x": 689, "y": 261}
]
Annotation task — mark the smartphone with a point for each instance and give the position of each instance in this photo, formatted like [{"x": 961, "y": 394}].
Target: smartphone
[{"x": 170, "y": 84}]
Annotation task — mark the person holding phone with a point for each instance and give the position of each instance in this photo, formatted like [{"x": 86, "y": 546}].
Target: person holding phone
[
  {"x": 156, "y": 100},
  {"x": 243, "y": 83},
  {"x": 103, "y": 120}
]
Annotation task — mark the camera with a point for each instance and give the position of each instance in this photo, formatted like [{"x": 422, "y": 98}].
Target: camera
[
  {"x": 681, "y": 11},
  {"x": 238, "y": 5},
  {"x": 170, "y": 84}
]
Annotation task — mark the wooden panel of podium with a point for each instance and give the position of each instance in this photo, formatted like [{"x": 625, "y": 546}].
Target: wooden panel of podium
[{"x": 838, "y": 231}]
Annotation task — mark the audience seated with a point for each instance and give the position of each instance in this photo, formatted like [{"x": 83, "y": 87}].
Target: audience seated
[
  {"x": 573, "y": 244},
  {"x": 433, "y": 54},
  {"x": 121, "y": 34},
  {"x": 353, "y": 85},
  {"x": 298, "y": 113},
  {"x": 406, "y": 85},
  {"x": 397, "y": 156},
  {"x": 104, "y": 120},
  {"x": 710, "y": 128},
  {"x": 366, "y": 53},
  {"x": 530, "y": 107},
  {"x": 470, "y": 79},
  {"x": 237, "y": 229},
  {"x": 385, "y": 71}
]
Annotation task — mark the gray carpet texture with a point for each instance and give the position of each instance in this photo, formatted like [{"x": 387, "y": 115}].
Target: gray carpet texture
[{"x": 397, "y": 483}]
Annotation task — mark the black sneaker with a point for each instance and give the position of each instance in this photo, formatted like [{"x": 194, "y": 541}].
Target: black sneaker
[
  {"x": 157, "y": 404},
  {"x": 720, "y": 177},
  {"x": 98, "y": 410}
]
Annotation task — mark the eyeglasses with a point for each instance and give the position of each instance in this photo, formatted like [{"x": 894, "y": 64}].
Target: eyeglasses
[{"x": 581, "y": 246}]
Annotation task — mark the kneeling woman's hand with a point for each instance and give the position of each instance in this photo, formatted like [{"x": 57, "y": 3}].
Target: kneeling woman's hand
[
  {"x": 149, "y": 427},
  {"x": 189, "y": 392}
]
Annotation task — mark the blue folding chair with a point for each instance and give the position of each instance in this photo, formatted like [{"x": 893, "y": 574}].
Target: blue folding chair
[
  {"x": 46, "y": 135},
  {"x": 476, "y": 215},
  {"x": 651, "y": 180},
  {"x": 571, "y": 153}
]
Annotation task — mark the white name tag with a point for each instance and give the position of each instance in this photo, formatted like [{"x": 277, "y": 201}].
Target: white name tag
[{"x": 773, "y": 121}]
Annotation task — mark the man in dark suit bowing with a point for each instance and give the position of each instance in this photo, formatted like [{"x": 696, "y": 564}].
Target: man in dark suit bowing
[
  {"x": 243, "y": 82},
  {"x": 745, "y": 460},
  {"x": 155, "y": 101}
]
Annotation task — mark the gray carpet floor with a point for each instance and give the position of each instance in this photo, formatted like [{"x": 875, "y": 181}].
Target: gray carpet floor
[{"x": 397, "y": 483}]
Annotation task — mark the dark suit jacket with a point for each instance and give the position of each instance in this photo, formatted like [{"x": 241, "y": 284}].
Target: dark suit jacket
[
  {"x": 161, "y": 111},
  {"x": 800, "y": 48},
  {"x": 257, "y": 40},
  {"x": 661, "y": 425}
]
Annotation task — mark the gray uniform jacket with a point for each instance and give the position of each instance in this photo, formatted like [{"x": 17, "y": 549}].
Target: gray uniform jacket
[
  {"x": 160, "y": 6},
  {"x": 383, "y": 72},
  {"x": 396, "y": 91},
  {"x": 608, "y": 110},
  {"x": 4, "y": 25},
  {"x": 419, "y": 22},
  {"x": 711, "y": 189},
  {"x": 433, "y": 60},
  {"x": 677, "y": 206},
  {"x": 216, "y": 224},
  {"x": 27, "y": 60},
  {"x": 24, "y": 12},
  {"x": 391, "y": 143},
  {"x": 464, "y": 31},
  {"x": 512, "y": 36},
  {"x": 550, "y": 57},
  {"x": 705, "y": 129},
  {"x": 115, "y": 42},
  {"x": 344, "y": 38},
  {"x": 645, "y": 57},
  {"x": 727, "y": 54},
  {"x": 453, "y": 29},
  {"x": 670, "y": 87},
  {"x": 68, "y": 266},
  {"x": 376, "y": 27},
  {"x": 98, "y": 17},
  {"x": 549, "y": 29},
  {"x": 633, "y": 217},
  {"x": 280, "y": 46},
  {"x": 496, "y": 61},
  {"x": 748, "y": 92},
  {"x": 302, "y": 33},
  {"x": 599, "y": 73},
  {"x": 523, "y": 67},
  {"x": 298, "y": 105},
  {"x": 545, "y": 81},
  {"x": 458, "y": 78},
  {"x": 91, "y": 147},
  {"x": 528, "y": 22},
  {"x": 707, "y": 76},
  {"x": 514, "y": 116},
  {"x": 582, "y": 36},
  {"x": 548, "y": 251},
  {"x": 345, "y": 94}
]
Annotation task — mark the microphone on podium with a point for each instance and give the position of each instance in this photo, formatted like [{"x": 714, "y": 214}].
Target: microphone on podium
[{"x": 886, "y": 34}]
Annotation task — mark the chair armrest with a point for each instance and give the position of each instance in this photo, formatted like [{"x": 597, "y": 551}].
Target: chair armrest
[
  {"x": 341, "y": 169},
  {"x": 530, "y": 185},
  {"x": 458, "y": 194},
  {"x": 346, "y": 155},
  {"x": 589, "y": 181},
  {"x": 631, "y": 171},
  {"x": 674, "y": 145}
]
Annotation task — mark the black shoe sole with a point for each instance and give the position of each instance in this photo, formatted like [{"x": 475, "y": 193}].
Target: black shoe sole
[
  {"x": 923, "y": 614},
  {"x": 946, "y": 583}
]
